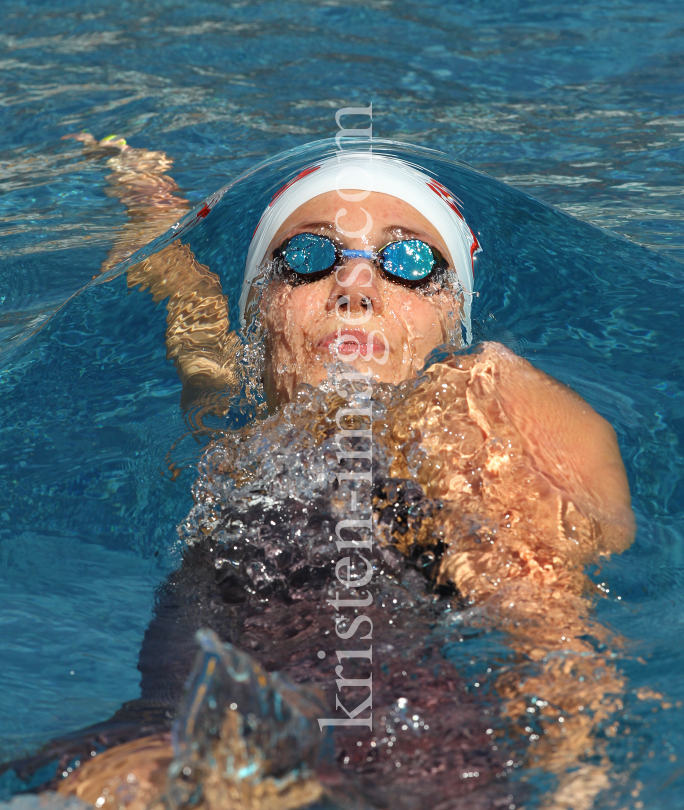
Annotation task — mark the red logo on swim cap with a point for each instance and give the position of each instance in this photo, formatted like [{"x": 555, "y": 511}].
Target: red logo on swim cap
[
  {"x": 450, "y": 200},
  {"x": 446, "y": 195},
  {"x": 287, "y": 185},
  {"x": 283, "y": 189}
]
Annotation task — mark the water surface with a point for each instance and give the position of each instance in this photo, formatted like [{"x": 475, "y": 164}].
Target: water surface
[{"x": 581, "y": 108}]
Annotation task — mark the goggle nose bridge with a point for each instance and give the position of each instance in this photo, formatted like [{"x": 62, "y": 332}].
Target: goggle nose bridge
[{"x": 372, "y": 255}]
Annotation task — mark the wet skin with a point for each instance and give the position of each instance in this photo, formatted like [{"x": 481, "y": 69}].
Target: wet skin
[{"x": 356, "y": 313}]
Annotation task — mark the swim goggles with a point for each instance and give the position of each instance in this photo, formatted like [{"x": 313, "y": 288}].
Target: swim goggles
[{"x": 310, "y": 256}]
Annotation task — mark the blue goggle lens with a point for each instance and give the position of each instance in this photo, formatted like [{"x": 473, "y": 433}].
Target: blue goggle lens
[
  {"x": 308, "y": 253},
  {"x": 412, "y": 260}
]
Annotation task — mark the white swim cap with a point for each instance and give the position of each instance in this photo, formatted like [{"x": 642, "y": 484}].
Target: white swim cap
[{"x": 367, "y": 172}]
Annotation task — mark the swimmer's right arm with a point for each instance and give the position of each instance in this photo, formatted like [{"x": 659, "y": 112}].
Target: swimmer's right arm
[{"x": 198, "y": 335}]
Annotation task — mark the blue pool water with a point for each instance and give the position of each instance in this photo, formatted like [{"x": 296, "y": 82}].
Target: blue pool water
[{"x": 582, "y": 109}]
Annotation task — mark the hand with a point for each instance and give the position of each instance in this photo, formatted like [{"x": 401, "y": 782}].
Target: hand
[
  {"x": 140, "y": 181},
  {"x": 91, "y": 143},
  {"x": 128, "y": 162}
]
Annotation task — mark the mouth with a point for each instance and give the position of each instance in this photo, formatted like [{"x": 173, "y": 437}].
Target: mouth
[{"x": 353, "y": 341}]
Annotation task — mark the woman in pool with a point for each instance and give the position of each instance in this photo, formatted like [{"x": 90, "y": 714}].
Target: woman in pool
[{"x": 528, "y": 478}]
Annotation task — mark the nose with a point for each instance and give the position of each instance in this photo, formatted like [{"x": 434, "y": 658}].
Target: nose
[{"x": 355, "y": 295}]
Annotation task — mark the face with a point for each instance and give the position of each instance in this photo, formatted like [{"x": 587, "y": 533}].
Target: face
[{"x": 356, "y": 313}]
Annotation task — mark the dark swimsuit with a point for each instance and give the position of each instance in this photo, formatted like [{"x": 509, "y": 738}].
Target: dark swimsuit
[{"x": 269, "y": 600}]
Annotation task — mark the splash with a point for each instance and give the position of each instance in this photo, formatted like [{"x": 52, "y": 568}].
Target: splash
[{"x": 244, "y": 737}]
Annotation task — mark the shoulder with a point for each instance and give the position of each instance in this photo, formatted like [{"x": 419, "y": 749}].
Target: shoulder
[{"x": 574, "y": 447}]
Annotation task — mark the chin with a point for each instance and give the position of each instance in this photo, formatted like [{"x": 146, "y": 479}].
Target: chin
[{"x": 316, "y": 371}]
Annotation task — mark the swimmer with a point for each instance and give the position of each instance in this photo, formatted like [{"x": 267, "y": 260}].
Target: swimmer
[
  {"x": 308, "y": 314},
  {"x": 378, "y": 281}
]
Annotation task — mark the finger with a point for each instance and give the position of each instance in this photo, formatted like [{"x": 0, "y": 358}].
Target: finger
[{"x": 84, "y": 137}]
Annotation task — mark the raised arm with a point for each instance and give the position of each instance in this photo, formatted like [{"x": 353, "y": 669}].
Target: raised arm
[{"x": 198, "y": 335}]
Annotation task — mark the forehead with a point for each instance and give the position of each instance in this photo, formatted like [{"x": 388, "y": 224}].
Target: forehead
[{"x": 383, "y": 209}]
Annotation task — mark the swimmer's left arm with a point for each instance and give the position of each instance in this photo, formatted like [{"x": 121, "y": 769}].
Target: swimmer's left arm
[
  {"x": 527, "y": 579},
  {"x": 571, "y": 444}
]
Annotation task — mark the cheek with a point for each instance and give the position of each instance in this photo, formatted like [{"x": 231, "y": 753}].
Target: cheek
[
  {"x": 288, "y": 312},
  {"x": 276, "y": 306},
  {"x": 427, "y": 319},
  {"x": 307, "y": 307}
]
